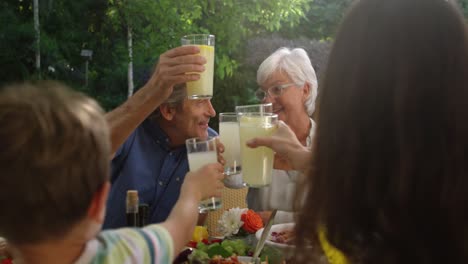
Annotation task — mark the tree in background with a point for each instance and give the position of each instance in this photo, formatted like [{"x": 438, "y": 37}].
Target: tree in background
[
  {"x": 38, "y": 35},
  {"x": 320, "y": 22},
  {"x": 104, "y": 26},
  {"x": 127, "y": 37},
  {"x": 16, "y": 42}
]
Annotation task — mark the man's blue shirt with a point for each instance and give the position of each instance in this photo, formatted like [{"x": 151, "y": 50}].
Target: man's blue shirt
[{"x": 146, "y": 163}]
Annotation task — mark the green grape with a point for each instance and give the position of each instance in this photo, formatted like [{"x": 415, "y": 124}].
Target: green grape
[
  {"x": 213, "y": 245},
  {"x": 226, "y": 243},
  {"x": 229, "y": 249},
  {"x": 199, "y": 256},
  {"x": 201, "y": 246}
]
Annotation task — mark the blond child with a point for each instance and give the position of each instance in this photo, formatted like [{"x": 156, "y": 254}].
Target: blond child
[{"x": 54, "y": 162}]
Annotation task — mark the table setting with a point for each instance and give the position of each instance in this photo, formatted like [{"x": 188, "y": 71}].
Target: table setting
[{"x": 243, "y": 239}]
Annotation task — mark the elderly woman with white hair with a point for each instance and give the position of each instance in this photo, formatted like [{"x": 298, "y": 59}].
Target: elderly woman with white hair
[{"x": 288, "y": 81}]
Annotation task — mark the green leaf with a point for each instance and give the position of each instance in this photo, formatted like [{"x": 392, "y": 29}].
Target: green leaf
[{"x": 274, "y": 255}]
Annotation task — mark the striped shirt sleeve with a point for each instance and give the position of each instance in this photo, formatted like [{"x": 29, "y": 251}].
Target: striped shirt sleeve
[{"x": 152, "y": 244}]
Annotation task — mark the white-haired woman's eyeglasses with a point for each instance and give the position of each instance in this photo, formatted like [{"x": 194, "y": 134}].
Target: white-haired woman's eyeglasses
[{"x": 274, "y": 91}]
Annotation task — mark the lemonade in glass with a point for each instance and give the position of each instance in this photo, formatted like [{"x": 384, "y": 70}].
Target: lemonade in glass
[
  {"x": 257, "y": 163},
  {"x": 229, "y": 136},
  {"x": 203, "y": 87},
  {"x": 199, "y": 153}
]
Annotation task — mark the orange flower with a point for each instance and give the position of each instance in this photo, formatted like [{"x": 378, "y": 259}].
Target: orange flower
[{"x": 252, "y": 221}]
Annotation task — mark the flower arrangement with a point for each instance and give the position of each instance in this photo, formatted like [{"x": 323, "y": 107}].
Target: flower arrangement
[
  {"x": 239, "y": 222},
  {"x": 237, "y": 226},
  {"x": 5, "y": 260}
]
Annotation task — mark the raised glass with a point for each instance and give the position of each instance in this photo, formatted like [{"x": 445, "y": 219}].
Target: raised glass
[
  {"x": 257, "y": 164},
  {"x": 229, "y": 136},
  {"x": 201, "y": 152},
  {"x": 202, "y": 88}
]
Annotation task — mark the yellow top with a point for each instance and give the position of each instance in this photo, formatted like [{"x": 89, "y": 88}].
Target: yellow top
[{"x": 333, "y": 255}]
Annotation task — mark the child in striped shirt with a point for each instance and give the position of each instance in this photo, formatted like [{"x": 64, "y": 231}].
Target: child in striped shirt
[{"x": 54, "y": 160}]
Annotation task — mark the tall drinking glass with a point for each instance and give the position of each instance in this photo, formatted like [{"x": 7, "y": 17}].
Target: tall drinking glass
[
  {"x": 203, "y": 87},
  {"x": 201, "y": 152},
  {"x": 257, "y": 164},
  {"x": 229, "y": 136}
]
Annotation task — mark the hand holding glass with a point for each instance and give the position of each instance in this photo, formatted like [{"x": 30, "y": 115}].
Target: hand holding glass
[
  {"x": 201, "y": 152},
  {"x": 257, "y": 164},
  {"x": 229, "y": 136}
]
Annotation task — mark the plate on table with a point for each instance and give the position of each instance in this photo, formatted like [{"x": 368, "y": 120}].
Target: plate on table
[{"x": 281, "y": 236}]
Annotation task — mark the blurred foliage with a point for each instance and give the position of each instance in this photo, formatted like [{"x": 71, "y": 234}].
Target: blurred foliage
[
  {"x": 67, "y": 27},
  {"x": 246, "y": 31},
  {"x": 321, "y": 21}
]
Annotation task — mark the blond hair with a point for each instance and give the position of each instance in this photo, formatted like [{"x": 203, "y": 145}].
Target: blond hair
[{"x": 54, "y": 156}]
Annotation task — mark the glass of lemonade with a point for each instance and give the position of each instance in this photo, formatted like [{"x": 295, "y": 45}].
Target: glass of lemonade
[
  {"x": 257, "y": 164},
  {"x": 229, "y": 136},
  {"x": 201, "y": 152},
  {"x": 202, "y": 88}
]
